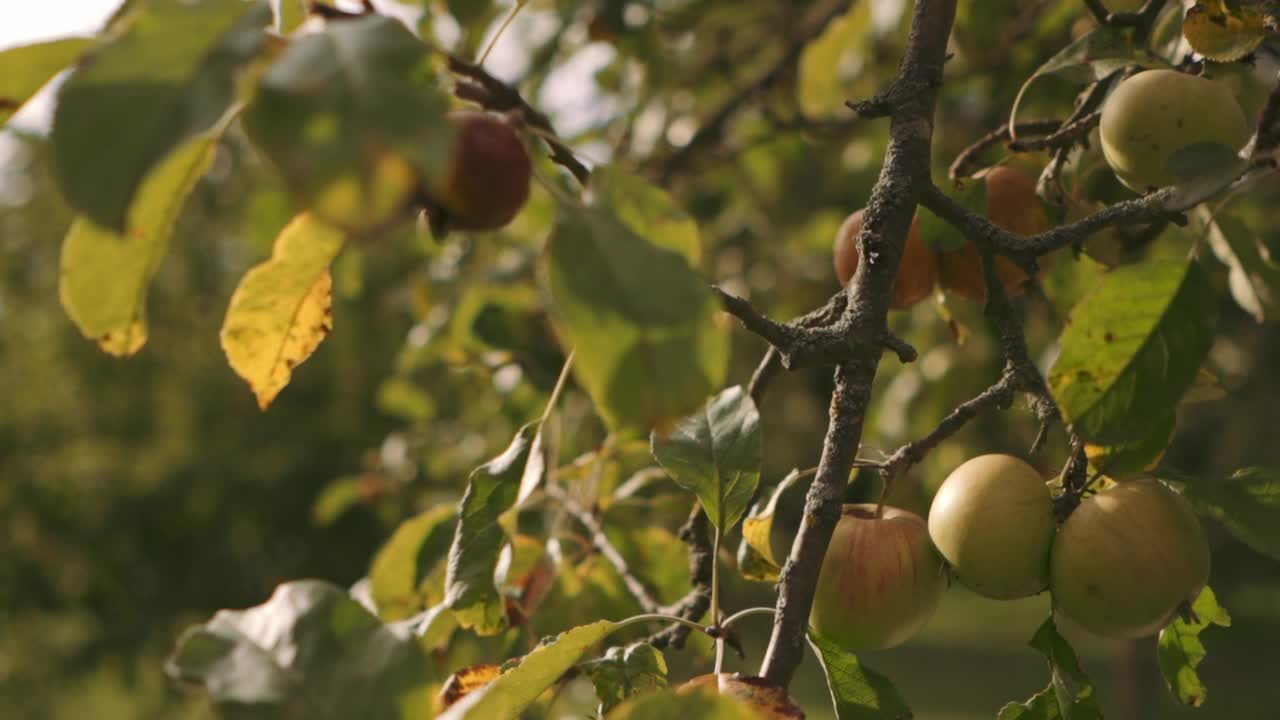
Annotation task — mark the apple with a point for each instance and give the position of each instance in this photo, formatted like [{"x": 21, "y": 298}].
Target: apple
[
  {"x": 486, "y": 181},
  {"x": 1153, "y": 115},
  {"x": 917, "y": 273},
  {"x": 880, "y": 580},
  {"x": 1127, "y": 559},
  {"x": 992, "y": 520},
  {"x": 1012, "y": 204},
  {"x": 768, "y": 699}
]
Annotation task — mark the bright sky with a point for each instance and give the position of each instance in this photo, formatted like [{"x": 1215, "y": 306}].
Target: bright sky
[{"x": 35, "y": 20}]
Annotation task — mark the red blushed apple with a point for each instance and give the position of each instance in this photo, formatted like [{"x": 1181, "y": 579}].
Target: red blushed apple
[
  {"x": 486, "y": 182},
  {"x": 880, "y": 580},
  {"x": 917, "y": 273}
]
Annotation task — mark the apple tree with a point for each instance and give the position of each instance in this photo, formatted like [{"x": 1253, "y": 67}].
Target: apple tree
[{"x": 1088, "y": 239}]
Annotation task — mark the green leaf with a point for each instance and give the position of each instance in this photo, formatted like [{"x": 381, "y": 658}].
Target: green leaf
[
  {"x": 352, "y": 118},
  {"x": 470, "y": 590},
  {"x": 716, "y": 454},
  {"x": 941, "y": 235},
  {"x": 633, "y": 312},
  {"x": 26, "y": 69},
  {"x": 169, "y": 76},
  {"x": 1070, "y": 694},
  {"x": 1179, "y": 650},
  {"x": 282, "y": 309},
  {"x": 1105, "y": 49},
  {"x": 311, "y": 652},
  {"x": 1248, "y": 503},
  {"x": 406, "y": 573},
  {"x": 830, "y": 65},
  {"x": 104, "y": 275},
  {"x": 673, "y": 704},
  {"x": 1132, "y": 348},
  {"x": 518, "y": 687},
  {"x": 1253, "y": 279},
  {"x": 756, "y": 560},
  {"x": 857, "y": 691},
  {"x": 647, "y": 210},
  {"x": 626, "y": 672},
  {"x": 339, "y": 496},
  {"x": 1137, "y": 456}
]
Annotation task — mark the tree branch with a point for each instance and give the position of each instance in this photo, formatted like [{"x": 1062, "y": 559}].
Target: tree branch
[
  {"x": 888, "y": 216},
  {"x": 697, "y": 601},
  {"x": 601, "y": 541}
]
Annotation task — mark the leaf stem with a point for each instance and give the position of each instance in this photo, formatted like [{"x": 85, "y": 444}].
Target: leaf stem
[{"x": 559, "y": 388}]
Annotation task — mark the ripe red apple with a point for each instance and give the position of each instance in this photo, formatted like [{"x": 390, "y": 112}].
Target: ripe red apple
[
  {"x": 880, "y": 580},
  {"x": 992, "y": 520},
  {"x": 486, "y": 182},
  {"x": 917, "y": 273},
  {"x": 1153, "y": 115},
  {"x": 1012, "y": 204},
  {"x": 1127, "y": 559}
]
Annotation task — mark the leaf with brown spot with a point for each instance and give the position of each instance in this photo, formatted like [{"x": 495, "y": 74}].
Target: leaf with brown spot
[
  {"x": 1223, "y": 33},
  {"x": 281, "y": 311},
  {"x": 466, "y": 681}
]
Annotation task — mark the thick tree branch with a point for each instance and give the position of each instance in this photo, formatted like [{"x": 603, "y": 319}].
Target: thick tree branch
[{"x": 888, "y": 216}]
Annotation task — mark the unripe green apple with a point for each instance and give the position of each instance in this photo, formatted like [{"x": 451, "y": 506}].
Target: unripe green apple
[
  {"x": 917, "y": 273},
  {"x": 880, "y": 580},
  {"x": 992, "y": 519},
  {"x": 486, "y": 182},
  {"x": 1154, "y": 114},
  {"x": 1127, "y": 559}
]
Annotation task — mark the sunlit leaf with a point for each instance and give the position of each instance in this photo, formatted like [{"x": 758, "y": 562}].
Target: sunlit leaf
[
  {"x": 1223, "y": 31},
  {"x": 626, "y": 672},
  {"x": 25, "y": 69},
  {"x": 648, "y": 210},
  {"x": 756, "y": 559},
  {"x": 1132, "y": 348},
  {"x": 515, "y": 689},
  {"x": 669, "y": 704},
  {"x": 289, "y": 14},
  {"x": 170, "y": 75},
  {"x": 1070, "y": 695},
  {"x": 1179, "y": 650},
  {"x": 311, "y": 652},
  {"x": 633, "y": 312},
  {"x": 857, "y": 691},
  {"x": 352, "y": 118},
  {"x": 769, "y": 700},
  {"x": 281, "y": 311},
  {"x": 716, "y": 454},
  {"x": 470, "y": 589},
  {"x": 104, "y": 275},
  {"x": 406, "y": 573},
  {"x": 1248, "y": 503},
  {"x": 831, "y": 64}
]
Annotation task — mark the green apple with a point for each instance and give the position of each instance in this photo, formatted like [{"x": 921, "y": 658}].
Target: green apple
[
  {"x": 880, "y": 580},
  {"x": 1155, "y": 114},
  {"x": 992, "y": 519},
  {"x": 1127, "y": 559}
]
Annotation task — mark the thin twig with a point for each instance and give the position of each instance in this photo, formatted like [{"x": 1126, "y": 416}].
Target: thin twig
[{"x": 601, "y": 541}]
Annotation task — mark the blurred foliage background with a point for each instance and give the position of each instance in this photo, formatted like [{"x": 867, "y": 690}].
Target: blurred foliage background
[{"x": 138, "y": 496}]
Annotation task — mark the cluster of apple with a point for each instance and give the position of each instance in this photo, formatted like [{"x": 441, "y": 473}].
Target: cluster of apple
[
  {"x": 1123, "y": 564},
  {"x": 1012, "y": 204}
]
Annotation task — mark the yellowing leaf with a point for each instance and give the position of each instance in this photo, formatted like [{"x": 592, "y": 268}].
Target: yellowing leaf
[
  {"x": 1221, "y": 33},
  {"x": 282, "y": 310},
  {"x": 104, "y": 274}
]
